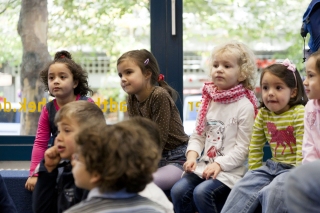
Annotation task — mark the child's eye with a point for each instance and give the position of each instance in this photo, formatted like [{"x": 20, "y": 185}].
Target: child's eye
[
  {"x": 128, "y": 72},
  {"x": 63, "y": 77},
  {"x": 50, "y": 78},
  {"x": 120, "y": 75},
  {"x": 215, "y": 66},
  {"x": 278, "y": 87},
  {"x": 264, "y": 87},
  {"x": 227, "y": 66},
  {"x": 310, "y": 75},
  {"x": 67, "y": 130}
]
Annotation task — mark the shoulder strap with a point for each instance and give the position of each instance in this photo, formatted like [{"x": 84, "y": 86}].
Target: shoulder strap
[
  {"x": 83, "y": 98},
  {"x": 52, "y": 113}
]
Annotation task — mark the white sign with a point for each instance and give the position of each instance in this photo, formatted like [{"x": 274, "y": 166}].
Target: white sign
[{"x": 5, "y": 79}]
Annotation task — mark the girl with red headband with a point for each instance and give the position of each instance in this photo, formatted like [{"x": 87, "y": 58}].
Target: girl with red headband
[{"x": 151, "y": 97}]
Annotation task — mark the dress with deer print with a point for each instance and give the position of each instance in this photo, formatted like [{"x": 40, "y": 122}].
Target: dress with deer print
[
  {"x": 311, "y": 142},
  {"x": 284, "y": 132}
]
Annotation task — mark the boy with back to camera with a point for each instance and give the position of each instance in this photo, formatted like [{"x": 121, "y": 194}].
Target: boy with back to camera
[
  {"x": 55, "y": 191},
  {"x": 115, "y": 163},
  {"x": 152, "y": 191}
]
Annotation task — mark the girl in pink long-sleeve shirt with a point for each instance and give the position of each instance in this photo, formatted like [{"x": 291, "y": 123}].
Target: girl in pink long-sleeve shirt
[
  {"x": 311, "y": 143},
  {"x": 66, "y": 81}
]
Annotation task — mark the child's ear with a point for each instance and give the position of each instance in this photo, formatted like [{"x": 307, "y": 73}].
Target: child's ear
[
  {"x": 75, "y": 84},
  {"x": 242, "y": 77},
  {"x": 95, "y": 178},
  {"x": 293, "y": 93},
  {"x": 148, "y": 74}
]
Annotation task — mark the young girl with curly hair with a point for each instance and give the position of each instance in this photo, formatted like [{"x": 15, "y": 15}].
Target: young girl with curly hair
[{"x": 66, "y": 81}]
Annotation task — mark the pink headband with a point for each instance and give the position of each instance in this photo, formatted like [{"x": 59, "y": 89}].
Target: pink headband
[{"x": 290, "y": 67}]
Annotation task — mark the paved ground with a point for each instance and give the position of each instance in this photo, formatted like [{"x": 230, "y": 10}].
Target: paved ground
[{"x": 14, "y": 165}]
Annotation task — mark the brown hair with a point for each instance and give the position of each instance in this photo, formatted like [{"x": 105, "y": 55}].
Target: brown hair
[
  {"x": 150, "y": 126},
  {"x": 246, "y": 60},
  {"x": 289, "y": 79},
  {"x": 85, "y": 113},
  {"x": 123, "y": 156},
  {"x": 316, "y": 55},
  {"x": 79, "y": 74},
  {"x": 147, "y": 62}
]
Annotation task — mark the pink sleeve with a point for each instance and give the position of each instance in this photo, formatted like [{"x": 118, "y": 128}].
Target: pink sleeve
[
  {"x": 90, "y": 100},
  {"x": 309, "y": 150},
  {"x": 42, "y": 138}
]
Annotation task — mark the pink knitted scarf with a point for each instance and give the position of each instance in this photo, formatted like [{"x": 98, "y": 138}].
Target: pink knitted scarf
[{"x": 211, "y": 92}]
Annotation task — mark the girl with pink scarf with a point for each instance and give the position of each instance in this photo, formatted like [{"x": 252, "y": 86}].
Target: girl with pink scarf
[{"x": 218, "y": 148}]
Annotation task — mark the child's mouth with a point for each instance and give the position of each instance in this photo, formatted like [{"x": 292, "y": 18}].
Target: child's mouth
[{"x": 61, "y": 148}]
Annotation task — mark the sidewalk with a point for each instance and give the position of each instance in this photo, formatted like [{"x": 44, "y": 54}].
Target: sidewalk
[{"x": 14, "y": 165}]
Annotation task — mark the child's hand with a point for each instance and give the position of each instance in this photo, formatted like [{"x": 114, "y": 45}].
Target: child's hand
[
  {"x": 51, "y": 158},
  {"x": 190, "y": 165},
  {"x": 212, "y": 169},
  {"x": 31, "y": 182}
]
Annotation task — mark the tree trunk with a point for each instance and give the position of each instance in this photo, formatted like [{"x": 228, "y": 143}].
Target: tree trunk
[{"x": 32, "y": 28}]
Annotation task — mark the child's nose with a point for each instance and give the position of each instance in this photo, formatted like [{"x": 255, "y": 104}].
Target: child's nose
[
  {"x": 123, "y": 79},
  {"x": 56, "y": 80},
  {"x": 58, "y": 138},
  {"x": 270, "y": 92},
  {"x": 305, "y": 82}
]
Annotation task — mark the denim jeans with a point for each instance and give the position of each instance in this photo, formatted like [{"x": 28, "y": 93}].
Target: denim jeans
[
  {"x": 302, "y": 188},
  {"x": 176, "y": 157},
  {"x": 264, "y": 186},
  {"x": 192, "y": 193}
]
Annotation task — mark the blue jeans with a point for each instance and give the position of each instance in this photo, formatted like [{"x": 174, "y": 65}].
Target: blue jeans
[
  {"x": 192, "y": 193},
  {"x": 264, "y": 186},
  {"x": 302, "y": 188},
  {"x": 176, "y": 157}
]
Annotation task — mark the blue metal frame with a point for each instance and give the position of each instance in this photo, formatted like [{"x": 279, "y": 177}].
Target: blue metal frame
[{"x": 168, "y": 48}]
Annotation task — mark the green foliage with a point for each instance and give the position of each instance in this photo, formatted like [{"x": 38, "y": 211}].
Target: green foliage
[
  {"x": 275, "y": 23},
  {"x": 105, "y": 26}
]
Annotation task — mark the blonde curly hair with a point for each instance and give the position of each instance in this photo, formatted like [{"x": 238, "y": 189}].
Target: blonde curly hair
[{"x": 246, "y": 60}]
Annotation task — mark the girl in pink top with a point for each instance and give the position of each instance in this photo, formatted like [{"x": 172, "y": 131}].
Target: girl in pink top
[
  {"x": 66, "y": 81},
  {"x": 311, "y": 143}
]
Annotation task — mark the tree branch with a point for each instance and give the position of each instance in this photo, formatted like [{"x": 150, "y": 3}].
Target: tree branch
[{"x": 6, "y": 7}]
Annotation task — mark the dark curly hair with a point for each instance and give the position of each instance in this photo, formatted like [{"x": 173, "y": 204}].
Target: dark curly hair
[
  {"x": 122, "y": 155},
  {"x": 79, "y": 74}
]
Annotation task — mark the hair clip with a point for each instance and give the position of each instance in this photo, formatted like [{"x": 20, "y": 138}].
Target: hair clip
[
  {"x": 146, "y": 62},
  {"x": 291, "y": 67},
  {"x": 160, "y": 77}
]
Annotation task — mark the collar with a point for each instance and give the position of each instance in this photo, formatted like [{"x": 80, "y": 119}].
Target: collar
[{"x": 113, "y": 195}]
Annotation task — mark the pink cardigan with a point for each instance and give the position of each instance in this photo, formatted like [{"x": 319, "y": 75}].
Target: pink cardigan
[{"x": 311, "y": 142}]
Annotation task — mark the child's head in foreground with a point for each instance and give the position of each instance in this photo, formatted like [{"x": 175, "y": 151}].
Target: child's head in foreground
[
  {"x": 281, "y": 87},
  {"x": 233, "y": 63},
  {"x": 113, "y": 158},
  {"x": 150, "y": 126},
  {"x": 312, "y": 81},
  {"x": 72, "y": 118}
]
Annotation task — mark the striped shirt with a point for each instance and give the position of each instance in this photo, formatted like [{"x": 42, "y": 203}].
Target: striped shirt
[
  {"x": 120, "y": 202},
  {"x": 284, "y": 133}
]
